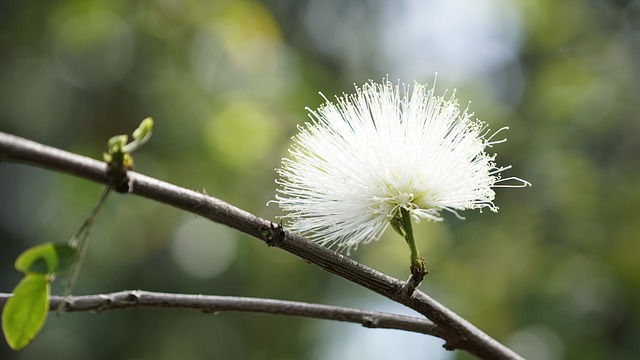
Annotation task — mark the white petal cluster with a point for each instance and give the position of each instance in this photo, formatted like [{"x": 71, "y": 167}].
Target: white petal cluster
[{"x": 383, "y": 148}]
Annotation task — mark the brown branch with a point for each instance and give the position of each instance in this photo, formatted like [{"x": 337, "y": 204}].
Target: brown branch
[
  {"x": 456, "y": 331},
  {"x": 214, "y": 304}
]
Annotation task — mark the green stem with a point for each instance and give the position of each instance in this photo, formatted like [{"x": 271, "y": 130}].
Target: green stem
[
  {"x": 80, "y": 242},
  {"x": 408, "y": 234},
  {"x": 417, "y": 264}
]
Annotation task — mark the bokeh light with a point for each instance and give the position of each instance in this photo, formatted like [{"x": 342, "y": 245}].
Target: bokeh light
[{"x": 202, "y": 249}]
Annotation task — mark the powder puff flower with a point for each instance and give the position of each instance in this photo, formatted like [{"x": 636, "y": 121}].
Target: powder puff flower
[{"x": 386, "y": 155}]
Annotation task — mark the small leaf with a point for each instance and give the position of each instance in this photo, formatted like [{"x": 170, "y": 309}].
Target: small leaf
[
  {"x": 144, "y": 130},
  {"x": 25, "y": 312},
  {"x": 39, "y": 259},
  {"x": 140, "y": 136},
  {"x": 46, "y": 258},
  {"x": 67, "y": 256},
  {"x": 106, "y": 157},
  {"x": 117, "y": 143}
]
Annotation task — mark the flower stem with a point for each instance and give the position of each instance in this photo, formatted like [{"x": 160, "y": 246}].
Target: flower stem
[{"x": 417, "y": 262}]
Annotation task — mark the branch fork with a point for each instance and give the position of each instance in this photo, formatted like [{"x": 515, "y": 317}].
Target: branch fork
[{"x": 456, "y": 331}]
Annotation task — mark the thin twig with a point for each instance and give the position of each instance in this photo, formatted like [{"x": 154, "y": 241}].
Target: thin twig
[
  {"x": 456, "y": 331},
  {"x": 215, "y": 304}
]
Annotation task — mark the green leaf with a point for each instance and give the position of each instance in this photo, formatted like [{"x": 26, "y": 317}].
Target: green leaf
[
  {"x": 117, "y": 143},
  {"x": 67, "y": 256},
  {"x": 25, "y": 312},
  {"x": 143, "y": 132},
  {"x": 38, "y": 259},
  {"x": 140, "y": 136},
  {"x": 46, "y": 258}
]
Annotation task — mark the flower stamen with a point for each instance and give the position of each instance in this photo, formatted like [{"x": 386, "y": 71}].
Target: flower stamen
[{"x": 387, "y": 155}]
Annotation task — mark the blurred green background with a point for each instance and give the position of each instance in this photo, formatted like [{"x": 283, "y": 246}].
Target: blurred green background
[{"x": 555, "y": 274}]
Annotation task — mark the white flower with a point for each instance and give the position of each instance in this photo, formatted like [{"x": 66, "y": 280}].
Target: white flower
[{"x": 385, "y": 148}]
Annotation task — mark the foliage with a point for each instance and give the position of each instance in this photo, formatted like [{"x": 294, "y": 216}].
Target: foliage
[{"x": 25, "y": 312}]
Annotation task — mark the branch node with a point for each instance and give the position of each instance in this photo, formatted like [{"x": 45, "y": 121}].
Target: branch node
[
  {"x": 273, "y": 234},
  {"x": 107, "y": 301},
  {"x": 448, "y": 346},
  {"x": 118, "y": 178},
  {"x": 417, "y": 275},
  {"x": 370, "y": 321},
  {"x": 132, "y": 296},
  {"x": 65, "y": 303}
]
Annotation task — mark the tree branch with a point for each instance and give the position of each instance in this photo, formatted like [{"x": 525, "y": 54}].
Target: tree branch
[
  {"x": 214, "y": 304},
  {"x": 456, "y": 331}
]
